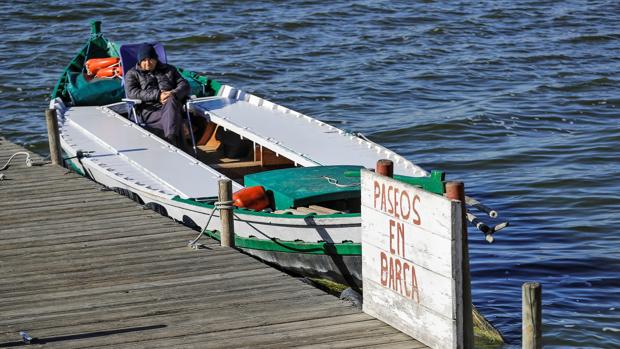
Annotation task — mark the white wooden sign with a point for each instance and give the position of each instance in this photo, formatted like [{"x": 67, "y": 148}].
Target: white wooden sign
[{"x": 411, "y": 252}]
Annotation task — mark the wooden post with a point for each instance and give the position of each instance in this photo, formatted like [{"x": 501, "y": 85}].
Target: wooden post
[
  {"x": 385, "y": 167},
  {"x": 456, "y": 191},
  {"x": 532, "y": 315},
  {"x": 227, "y": 235},
  {"x": 53, "y": 136}
]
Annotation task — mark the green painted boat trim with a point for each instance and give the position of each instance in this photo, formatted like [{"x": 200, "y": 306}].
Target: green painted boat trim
[
  {"x": 275, "y": 245},
  {"x": 433, "y": 183},
  {"x": 72, "y": 166},
  {"x": 264, "y": 214}
]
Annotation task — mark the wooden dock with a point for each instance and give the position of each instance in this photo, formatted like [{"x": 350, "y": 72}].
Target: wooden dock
[{"x": 84, "y": 267}]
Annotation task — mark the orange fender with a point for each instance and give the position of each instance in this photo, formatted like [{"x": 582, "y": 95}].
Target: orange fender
[
  {"x": 109, "y": 72},
  {"x": 93, "y": 65},
  {"x": 254, "y": 198}
]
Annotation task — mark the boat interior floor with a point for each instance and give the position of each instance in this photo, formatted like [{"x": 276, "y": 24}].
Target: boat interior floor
[{"x": 234, "y": 168}]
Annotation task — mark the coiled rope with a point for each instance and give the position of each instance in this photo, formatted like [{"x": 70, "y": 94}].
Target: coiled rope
[{"x": 219, "y": 205}]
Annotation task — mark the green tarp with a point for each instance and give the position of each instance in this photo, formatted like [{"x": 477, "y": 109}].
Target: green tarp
[
  {"x": 94, "y": 92},
  {"x": 301, "y": 186}
]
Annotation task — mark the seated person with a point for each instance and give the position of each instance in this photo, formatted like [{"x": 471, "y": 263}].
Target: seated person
[{"x": 162, "y": 90}]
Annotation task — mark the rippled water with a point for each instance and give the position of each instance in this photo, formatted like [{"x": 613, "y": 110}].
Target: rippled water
[{"x": 519, "y": 100}]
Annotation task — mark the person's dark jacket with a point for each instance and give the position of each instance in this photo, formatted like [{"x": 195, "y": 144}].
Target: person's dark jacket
[{"x": 147, "y": 86}]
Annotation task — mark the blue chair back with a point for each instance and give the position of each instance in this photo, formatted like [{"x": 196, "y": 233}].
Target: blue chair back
[{"x": 129, "y": 55}]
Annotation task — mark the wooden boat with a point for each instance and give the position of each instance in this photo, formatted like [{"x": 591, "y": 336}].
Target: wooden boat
[{"x": 313, "y": 223}]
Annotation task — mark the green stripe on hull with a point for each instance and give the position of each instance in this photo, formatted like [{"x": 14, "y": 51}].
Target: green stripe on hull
[{"x": 275, "y": 245}]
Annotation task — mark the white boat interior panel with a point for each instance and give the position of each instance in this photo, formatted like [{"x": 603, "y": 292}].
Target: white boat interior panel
[
  {"x": 162, "y": 166},
  {"x": 109, "y": 160},
  {"x": 304, "y": 140}
]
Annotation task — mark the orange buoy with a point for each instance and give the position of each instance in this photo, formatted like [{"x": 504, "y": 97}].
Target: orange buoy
[
  {"x": 93, "y": 65},
  {"x": 109, "y": 72},
  {"x": 254, "y": 198}
]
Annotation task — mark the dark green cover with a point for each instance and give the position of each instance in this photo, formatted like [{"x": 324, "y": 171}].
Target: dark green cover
[
  {"x": 95, "y": 91},
  {"x": 302, "y": 186}
]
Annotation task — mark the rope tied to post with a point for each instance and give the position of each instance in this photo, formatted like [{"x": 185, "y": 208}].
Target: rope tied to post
[{"x": 218, "y": 205}]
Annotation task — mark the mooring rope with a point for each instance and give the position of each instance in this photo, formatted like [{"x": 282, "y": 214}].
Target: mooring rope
[
  {"x": 334, "y": 181},
  {"x": 28, "y": 160},
  {"x": 219, "y": 205}
]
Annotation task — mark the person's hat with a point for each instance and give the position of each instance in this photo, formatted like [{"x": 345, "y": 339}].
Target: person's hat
[{"x": 146, "y": 51}]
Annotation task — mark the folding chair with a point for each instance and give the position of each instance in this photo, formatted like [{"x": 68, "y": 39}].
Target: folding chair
[{"x": 129, "y": 59}]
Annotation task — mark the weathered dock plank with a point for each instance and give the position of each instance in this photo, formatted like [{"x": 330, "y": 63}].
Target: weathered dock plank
[{"x": 84, "y": 267}]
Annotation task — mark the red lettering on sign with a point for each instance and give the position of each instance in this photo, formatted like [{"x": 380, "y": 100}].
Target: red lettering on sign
[
  {"x": 405, "y": 213},
  {"x": 416, "y": 220},
  {"x": 377, "y": 191},
  {"x": 397, "y": 273},
  {"x": 414, "y": 285},
  {"x": 389, "y": 198},
  {"x": 396, "y": 203},
  {"x": 398, "y": 267},
  {"x": 384, "y": 267},
  {"x": 383, "y": 197},
  {"x": 399, "y": 276},
  {"x": 405, "y": 270},
  {"x": 392, "y": 223},
  {"x": 400, "y": 239}
]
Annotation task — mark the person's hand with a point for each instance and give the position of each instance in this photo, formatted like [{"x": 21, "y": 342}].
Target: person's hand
[{"x": 164, "y": 95}]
